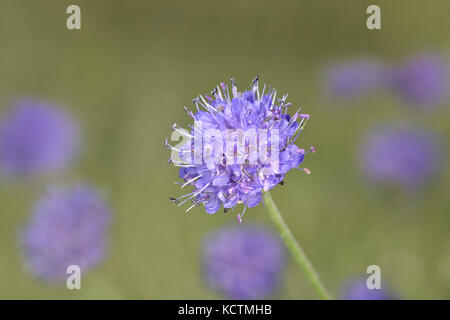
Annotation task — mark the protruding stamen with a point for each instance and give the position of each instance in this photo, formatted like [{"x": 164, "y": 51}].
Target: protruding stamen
[
  {"x": 262, "y": 93},
  {"x": 196, "y": 101},
  {"x": 300, "y": 127},
  {"x": 292, "y": 139},
  {"x": 184, "y": 165},
  {"x": 234, "y": 88},
  {"x": 225, "y": 210},
  {"x": 305, "y": 116},
  {"x": 294, "y": 118},
  {"x": 312, "y": 149},
  {"x": 191, "y": 180},
  {"x": 256, "y": 87},
  {"x": 177, "y": 200},
  {"x": 207, "y": 105},
  {"x": 183, "y": 132},
  {"x": 170, "y": 161},
  {"x": 255, "y": 81},
  {"x": 195, "y": 204},
  {"x": 283, "y": 100},
  {"x": 219, "y": 92},
  {"x": 281, "y": 183},
  {"x": 195, "y": 194},
  {"x": 274, "y": 97},
  {"x": 240, "y": 216},
  {"x": 174, "y": 200},
  {"x": 189, "y": 112},
  {"x": 307, "y": 171},
  {"x": 167, "y": 145}
]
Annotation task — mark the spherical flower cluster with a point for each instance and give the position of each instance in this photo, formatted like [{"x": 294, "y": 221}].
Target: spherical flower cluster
[
  {"x": 36, "y": 138},
  {"x": 68, "y": 227},
  {"x": 422, "y": 81},
  {"x": 356, "y": 289},
  {"x": 225, "y": 182},
  {"x": 405, "y": 156},
  {"x": 243, "y": 262}
]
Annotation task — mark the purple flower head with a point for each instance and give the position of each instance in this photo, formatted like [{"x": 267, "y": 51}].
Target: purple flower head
[
  {"x": 356, "y": 289},
  {"x": 36, "y": 138},
  {"x": 354, "y": 79},
  {"x": 68, "y": 227},
  {"x": 422, "y": 81},
  {"x": 405, "y": 156},
  {"x": 243, "y": 262},
  {"x": 240, "y": 145}
]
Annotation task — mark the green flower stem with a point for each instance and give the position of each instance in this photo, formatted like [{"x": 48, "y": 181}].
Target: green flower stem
[{"x": 294, "y": 247}]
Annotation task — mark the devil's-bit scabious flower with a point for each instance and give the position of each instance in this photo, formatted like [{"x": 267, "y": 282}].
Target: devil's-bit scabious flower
[
  {"x": 68, "y": 227},
  {"x": 423, "y": 81},
  {"x": 227, "y": 171},
  {"x": 243, "y": 262},
  {"x": 354, "y": 79},
  {"x": 356, "y": 289},
  {"x": 36, "y": 138},
  {"x": 404, "y": 155}
]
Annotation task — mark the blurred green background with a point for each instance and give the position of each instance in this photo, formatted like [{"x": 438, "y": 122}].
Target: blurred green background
[{"x": 126, "y": 76}]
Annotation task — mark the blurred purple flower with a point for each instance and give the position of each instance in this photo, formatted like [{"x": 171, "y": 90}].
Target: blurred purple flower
[
  {"x": 244, "y": 262},
  {"x": 356, "y": 289},
  {"x": 404, "y": 155},
  {"x": 422, "y": 81},
  {"x": 68, "y": 227},
  {"x": 36, "y": 138},
  {"x": 354, "y": 79}
]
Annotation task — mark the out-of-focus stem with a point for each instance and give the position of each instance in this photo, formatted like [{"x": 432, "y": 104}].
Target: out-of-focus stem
[{"x": 294, "y": 247}]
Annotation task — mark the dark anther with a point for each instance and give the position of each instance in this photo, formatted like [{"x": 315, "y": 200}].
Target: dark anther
[
  {"x": 233, "y": 81},
  {"x": 281, "y": 183},
  {"x": 174, "y": 200},
  {"x": 225, "y": 210}
]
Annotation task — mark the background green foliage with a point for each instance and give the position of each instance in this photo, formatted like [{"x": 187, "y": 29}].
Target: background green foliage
[{"x": 126, "y": 76}]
